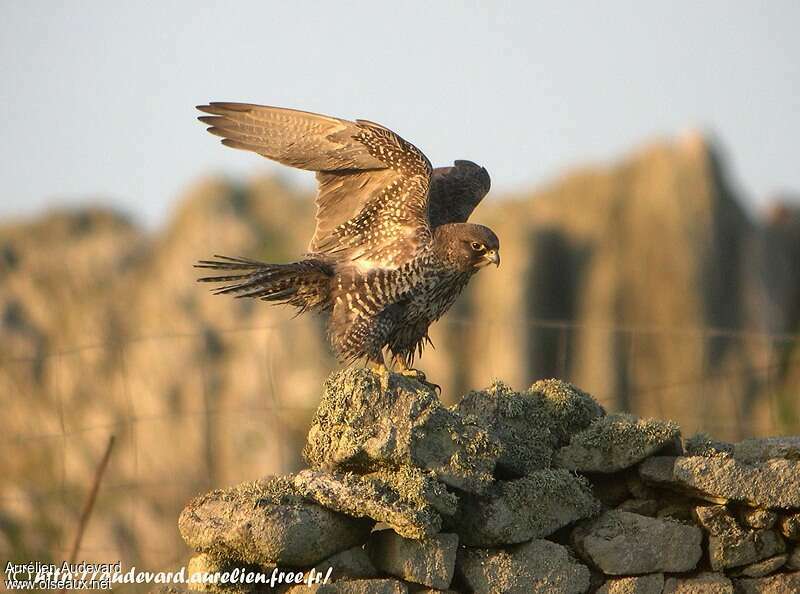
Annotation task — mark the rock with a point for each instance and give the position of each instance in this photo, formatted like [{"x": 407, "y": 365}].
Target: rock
[
  {"x": 616, "y": 442},
  {"x": 538, "y": 567},
  {"x": 206, "y": 564},
  {"x": 762, "y": 449},
  {"x": 645, "y": 584},
  {"x": 643, "y": 507},
  {"x": 366, "y": 423},
  {"x": 530, "y": 425},
  {"x": 406, "y": 499},
  {"x": 429, "y": 562},
  {"x": 716, "y": 519},
  {"x": 267, "y": 522},
  {"x": 637, "y": 487},
  {"x": 520, "y": 422},
  {"x": 789, "y": 525},
  {"x": 658, "y": 470},
  {"x": 377, "y": 586},
  {"x": 701, "y": 444},
  {"x": 762, "y": 568},
  {"x": 754, "y": 517},
  {"x": 351, "y": 564},
  {"x": 570, "y": 409},
  {"x": 622, "y": 543},
  {"x": 522, "y": 509},
  {"x": 611, "y": 489},
  {"x": 676, "y": 510},
  {"x": 743, "y": 547},
  {"x": 703, "y": 583},
  {"x": 782, "y": 583},
  {"x": 774, "y": 483},
  {"x": 793, "y": 561}
]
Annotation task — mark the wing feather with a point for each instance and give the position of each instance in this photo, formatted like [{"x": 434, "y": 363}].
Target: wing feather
[
  {"x": 456, "y": 191},
  {"x": 296, "y": 138},
  {"x": 372, "y": 202}
]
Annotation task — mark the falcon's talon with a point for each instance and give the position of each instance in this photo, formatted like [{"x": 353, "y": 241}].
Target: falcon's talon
[
  {"x": 419, "y": 375},
  {"x": 378, "y": 368}
]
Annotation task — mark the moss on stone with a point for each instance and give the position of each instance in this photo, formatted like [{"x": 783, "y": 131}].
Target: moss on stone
[
  {"x": 518, "y": 422},
  {"x": 367, "y": 423},
  {"x": 569, "y": 408},
  {"x": 267, "y": 522},
  {"x": 615, "y": 442},
  {"x": 531, "y": 507},
  {"x": 702, "y": 444},
  {"x": 408, "y": 499},
  {"x": 346, "y": 415}
]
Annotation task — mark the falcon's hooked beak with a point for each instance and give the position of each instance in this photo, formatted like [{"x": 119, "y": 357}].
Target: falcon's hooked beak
[{"x": 492, "y": 257}]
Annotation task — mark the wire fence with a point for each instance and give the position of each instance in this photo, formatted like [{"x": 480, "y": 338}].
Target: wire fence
[{"x": 193, "y": 411}]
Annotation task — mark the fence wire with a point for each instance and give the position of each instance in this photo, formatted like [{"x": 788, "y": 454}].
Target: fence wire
[{"x": 179, "y": 442}]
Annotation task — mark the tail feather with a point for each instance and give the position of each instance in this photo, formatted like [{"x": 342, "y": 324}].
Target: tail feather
[{"x": 304, "y": 284}]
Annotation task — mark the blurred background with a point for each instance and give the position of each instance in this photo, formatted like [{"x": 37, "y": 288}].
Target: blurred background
[{"x": 645, "y": 179}]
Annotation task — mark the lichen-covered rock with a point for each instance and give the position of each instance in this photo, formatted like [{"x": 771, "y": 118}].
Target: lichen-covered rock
[
  {"x": 354, "y": 563},
  {"x": 611, "y": 489},
  {"x": 644, "y": 584},
  {"x": 701, "y": 444},
  {"x": 730, "y": 545},
  {"x": 622, "y": 543},
  {"x": 522, "y": 509},
  {"x": 637, "y": 487},
  {"x": 676, "y": 510},
  {"x": 519, "y": 421},
  {"x": 267, "y": 522},
  {"x": 616, "y": 442},
  {"x": 716, "y": 519},
  {"x": 406, "y": 499},
  {"x": 762, "y": 449},
  {"x": 204, "y": 563},
  {"x": 366, "y": 422},
  {"x": 703, "y": 583},
  {"x": 789, "y": 525},
  {"x": 793, "y": 560},
  {"x": 659, "y": 471},
  {"x": 774, "y": 483},
  {"x": 429, "y": 562},
  {"x": 762, "y": 568},
  {"x": 538, "y": 567},
  {"x": 782, "y": 583},
  {"x": 754, "y": 517},
  {"x": 643, "y": 507},
  {"x": 570, "y": 409},
  {"x": 743, "y": 547},
  {"x": 373, "y": 586}
]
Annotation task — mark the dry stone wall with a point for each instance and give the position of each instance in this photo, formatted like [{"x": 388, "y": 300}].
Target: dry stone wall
[{"x": 534, "y": 491}]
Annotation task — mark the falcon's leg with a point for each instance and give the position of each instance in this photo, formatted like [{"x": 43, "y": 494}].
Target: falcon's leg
[
  {"x": 378, "y": 367},
  {"x": 417, "y": 374}
]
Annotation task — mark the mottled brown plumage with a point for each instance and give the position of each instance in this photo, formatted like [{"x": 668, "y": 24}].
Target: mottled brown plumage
[{"x": 391, "y": 249}]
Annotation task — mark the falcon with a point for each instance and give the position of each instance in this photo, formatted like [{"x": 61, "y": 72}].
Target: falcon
[{"x": 392, "y": 248}]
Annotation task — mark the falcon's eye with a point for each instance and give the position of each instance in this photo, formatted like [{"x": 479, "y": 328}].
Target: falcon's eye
[{"x": 478, "y": 247}]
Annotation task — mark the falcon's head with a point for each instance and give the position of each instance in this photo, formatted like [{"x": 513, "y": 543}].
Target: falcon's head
[{"x": 470, "y": 247}]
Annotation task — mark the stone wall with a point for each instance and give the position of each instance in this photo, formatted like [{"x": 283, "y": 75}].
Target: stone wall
[{"x": 535, "y": 491}]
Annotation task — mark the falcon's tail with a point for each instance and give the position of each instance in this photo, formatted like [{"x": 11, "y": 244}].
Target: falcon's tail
[{"x": 304, "y": 284}]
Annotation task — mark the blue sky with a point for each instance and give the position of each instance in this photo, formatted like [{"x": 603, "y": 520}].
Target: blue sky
[{"x": 98, "y": 96}]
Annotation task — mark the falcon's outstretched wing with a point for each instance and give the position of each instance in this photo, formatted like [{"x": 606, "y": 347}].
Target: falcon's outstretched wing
[
  {"x": 456, "y": 191},
  {"x": 372, "y": 202}
]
